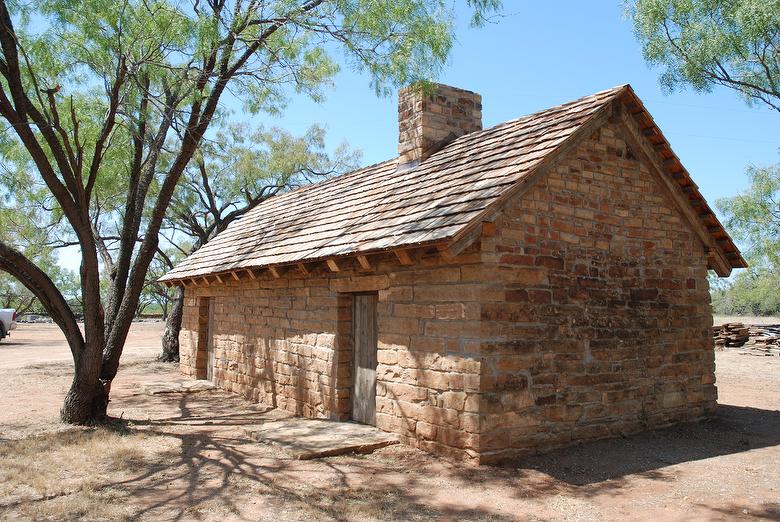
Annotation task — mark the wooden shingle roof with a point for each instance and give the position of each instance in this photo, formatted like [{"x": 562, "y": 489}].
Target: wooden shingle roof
[{"x": 380, "y": 208}]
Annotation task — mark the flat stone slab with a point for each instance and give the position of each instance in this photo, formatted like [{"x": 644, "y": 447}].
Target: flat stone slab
[
  {"x": 314, "y": 438},
  {"x": 191, "y": 386}
]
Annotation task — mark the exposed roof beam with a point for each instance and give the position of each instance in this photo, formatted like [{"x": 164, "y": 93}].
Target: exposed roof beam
[
  {"x": 363, "y": 262},
  {"x": 274, "y": 272},
  {"x": 445, "y": 253},
  {"x": 403, "y": 257},
  {"x": 489, "y": 228},
  {"x": 334, "y": 267}
]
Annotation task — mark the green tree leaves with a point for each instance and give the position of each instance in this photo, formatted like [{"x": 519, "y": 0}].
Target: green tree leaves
[
  {"x": 703, "y": 43},
  {"x": 110, "y": 100},
  {"x": 753, "y": 218}
]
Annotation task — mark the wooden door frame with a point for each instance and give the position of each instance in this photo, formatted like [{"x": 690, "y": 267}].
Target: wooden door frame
[
  {"x": 210, "y": 341},
  {"x": 371, "y": 420}
]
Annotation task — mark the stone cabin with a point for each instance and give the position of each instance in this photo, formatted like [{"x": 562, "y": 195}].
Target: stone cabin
[{"x": 487, "y": 294}]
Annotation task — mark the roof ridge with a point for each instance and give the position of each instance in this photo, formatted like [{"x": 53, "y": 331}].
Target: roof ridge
[{"x": 470, "y": 135}]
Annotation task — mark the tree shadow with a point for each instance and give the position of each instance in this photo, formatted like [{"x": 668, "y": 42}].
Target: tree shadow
[
  {"x": 210, "y": 464},
  {"x": 733, "y": 429},
  {"x": 769, "y": 511},
  {"x": 215, "y": 465},
  {"x": 5, "y": 343}
]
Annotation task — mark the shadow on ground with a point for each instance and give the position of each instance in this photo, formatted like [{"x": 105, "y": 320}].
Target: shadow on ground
[
  {"x": 5, "y": 343},
  {"x": 204, "y": 466},
  {"x": 217, "y": 464},
  {"x": 733, "y": 429}
]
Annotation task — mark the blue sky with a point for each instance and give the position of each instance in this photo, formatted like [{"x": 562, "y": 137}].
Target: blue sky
[
  {"x": 545, "y": 53},
  {"x": 542, "y": 54}
]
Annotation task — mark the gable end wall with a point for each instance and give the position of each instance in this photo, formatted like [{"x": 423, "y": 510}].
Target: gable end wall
[{"x": 605, "y": 328}]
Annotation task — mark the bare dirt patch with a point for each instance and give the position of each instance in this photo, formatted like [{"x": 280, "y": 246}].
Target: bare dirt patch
[{"x": 186, "y": 456}]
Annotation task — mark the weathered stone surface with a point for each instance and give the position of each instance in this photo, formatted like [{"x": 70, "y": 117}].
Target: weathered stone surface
[
  {"x": 613, "y": 340},
  {"x": 584, "y": 313},
  {"x": 428, "y": 121},
  {"x": 307, "y": 439}
]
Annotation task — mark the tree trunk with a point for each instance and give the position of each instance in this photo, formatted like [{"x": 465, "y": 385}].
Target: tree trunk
[
  {"x": 170, "y": 338},
  {"x": 86, "y": 402},
  {"x": 87, "y": 399}
]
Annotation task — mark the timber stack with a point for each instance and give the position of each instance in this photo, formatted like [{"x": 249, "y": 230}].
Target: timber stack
[
  {"x": 764, "y": 340},
  {"x": 731, "y": 335},
  {"x": 754, "y": 339}
]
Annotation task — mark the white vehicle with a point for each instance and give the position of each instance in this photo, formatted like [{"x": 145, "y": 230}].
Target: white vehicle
[{"x": 7, "y": 321}]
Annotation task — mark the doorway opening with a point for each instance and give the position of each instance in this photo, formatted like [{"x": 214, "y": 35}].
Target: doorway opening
[
  {"x": 205, "y": 357},
  {"x": 364, "y": 357}
]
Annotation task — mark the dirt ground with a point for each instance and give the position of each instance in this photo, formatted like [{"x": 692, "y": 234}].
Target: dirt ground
[{"x": 186, "y": 457}]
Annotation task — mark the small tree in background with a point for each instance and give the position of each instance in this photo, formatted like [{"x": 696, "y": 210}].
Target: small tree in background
[
  {"x": 229, "y": 176},
  {"x": 753, "y": 219}
]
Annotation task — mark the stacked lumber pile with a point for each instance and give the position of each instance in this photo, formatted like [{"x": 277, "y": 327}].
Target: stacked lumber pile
[
  {"x": 731, "y": 335},
  {"x": 754, "y": 339},
  {"x": 764, "y": 340}
]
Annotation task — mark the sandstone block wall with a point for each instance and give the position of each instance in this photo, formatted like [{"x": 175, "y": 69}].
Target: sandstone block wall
[
  {"x": 603, "y": 324},
  {"x": 287, "y": 343}
]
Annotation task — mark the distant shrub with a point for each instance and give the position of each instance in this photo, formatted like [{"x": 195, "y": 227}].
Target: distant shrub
[{"x": 749, "y": 293}]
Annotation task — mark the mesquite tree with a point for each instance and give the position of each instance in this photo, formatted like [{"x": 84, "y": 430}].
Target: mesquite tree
[
  {"x": 230, "y": 175},
  {"x": 119, "y": 95},
  {"x": 703, "y": 43}
]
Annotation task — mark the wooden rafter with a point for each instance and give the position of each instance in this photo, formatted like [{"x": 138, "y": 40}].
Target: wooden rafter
[
  {"x": 404, "y": 257},
  {"x": 364, "y": 262},
  {"x": 334, "y": 267},
  {"x": 445, "y": 253}
]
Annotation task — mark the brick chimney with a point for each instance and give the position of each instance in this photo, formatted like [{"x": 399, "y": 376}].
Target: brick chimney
[{"x": 426, "y": 123}]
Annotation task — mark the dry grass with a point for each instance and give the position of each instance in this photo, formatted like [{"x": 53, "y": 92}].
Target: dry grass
[{"x": 69, "y": 475}]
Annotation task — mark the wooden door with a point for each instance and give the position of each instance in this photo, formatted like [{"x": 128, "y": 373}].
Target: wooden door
[
  {"x": 364, "y": 356},
  {"x": 210, "y": 341}
]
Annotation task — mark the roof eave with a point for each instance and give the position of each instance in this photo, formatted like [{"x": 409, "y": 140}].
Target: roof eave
[{"x": 728, "y": 255}]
